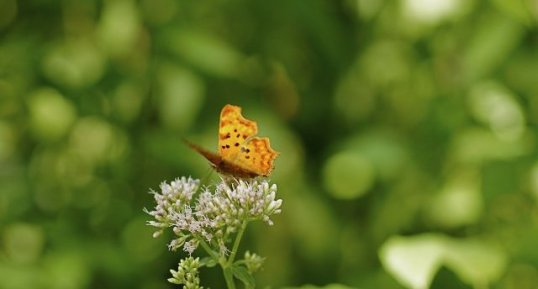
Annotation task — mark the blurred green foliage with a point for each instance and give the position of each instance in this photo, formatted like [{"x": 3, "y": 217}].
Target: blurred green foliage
[{"x": 407, "y": 131}]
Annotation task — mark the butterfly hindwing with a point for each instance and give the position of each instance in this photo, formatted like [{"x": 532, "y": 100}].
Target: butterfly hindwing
[{"x": 256, "y": 155}]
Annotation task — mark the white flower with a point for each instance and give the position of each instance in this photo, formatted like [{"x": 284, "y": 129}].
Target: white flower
[
  {"x": 190, "y": 246},
  {"x": 170, "y": 201},
  {"x": 230, "y": 205},
  {"x": 211, "y": 216}
]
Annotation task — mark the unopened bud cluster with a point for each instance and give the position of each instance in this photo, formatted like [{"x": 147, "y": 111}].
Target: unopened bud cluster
[
  {"x": 253, "y": 262},
  {"x": 187, "y": 274}
]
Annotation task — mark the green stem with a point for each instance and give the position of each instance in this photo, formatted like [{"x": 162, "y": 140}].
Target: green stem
[
  {"x": 208, "y": 249},
  {"x": 227, "y": 264},
  {"x": 236, "y": 243},
  {"x": 228, "y": 276}
]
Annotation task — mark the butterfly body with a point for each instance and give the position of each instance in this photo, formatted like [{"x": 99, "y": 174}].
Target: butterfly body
[
  {"x": 222, "y": 166},
  {"x": 240, "y": 153}
]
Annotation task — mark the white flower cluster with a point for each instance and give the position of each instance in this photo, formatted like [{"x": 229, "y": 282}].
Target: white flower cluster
[
  {"x": 211, "y": 216},
  {"x": 230, "y": 205},
  {"x": 173, "y": 198}
]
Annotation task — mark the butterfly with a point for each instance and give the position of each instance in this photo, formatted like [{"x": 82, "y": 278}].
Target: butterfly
[{"x": 241, "y": 153}]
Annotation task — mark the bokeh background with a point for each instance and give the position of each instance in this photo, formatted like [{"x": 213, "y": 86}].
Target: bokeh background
[{"x": 407, "y": 131}]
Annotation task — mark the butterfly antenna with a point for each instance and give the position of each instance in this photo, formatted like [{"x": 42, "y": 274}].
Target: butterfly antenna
[
  {"x": 210, "y": 170},
  {"x": 188, "y": 143}
]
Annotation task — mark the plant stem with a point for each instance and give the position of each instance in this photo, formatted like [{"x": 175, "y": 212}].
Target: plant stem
[
  {"x": 227, "y": 264},
  {"x": 208, "y": 249},
  {"x": 228, "y": 276},
  {"x": 236, "y": 243}
]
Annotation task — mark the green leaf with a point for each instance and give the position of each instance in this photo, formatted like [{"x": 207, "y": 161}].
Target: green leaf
[
  {"x": 475, "y": 261},
  {"x": 242, "y": 274},
  {"x": 413, "y": 261},
  {"x": 208, "y": 262}
]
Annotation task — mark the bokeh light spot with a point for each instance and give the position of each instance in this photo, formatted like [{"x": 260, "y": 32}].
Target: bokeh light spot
[
  {"x": 495, "y": 106},
  {"x": 430, "y": 11},
  {"x": 23, "y": 242},
  {"x": 207, "y": 52},
  {"x": 127, "y": 101},
  {"x": 74, "y": 63},
  {"x": 119, "y": 27},
  {"x": 66, "y": 270},
  {"x": 180, "y": 98},
  {"x": 348, "y": 175},
  {"x": 51, "y": 115},
  {"x": 459, "y": 202},
  {"x": 476, "y": 145},
  {"x": 96, "y": 141}
]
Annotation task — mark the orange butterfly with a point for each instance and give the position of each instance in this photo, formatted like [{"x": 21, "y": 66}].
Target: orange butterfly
[{"x": 240, "y": 154}]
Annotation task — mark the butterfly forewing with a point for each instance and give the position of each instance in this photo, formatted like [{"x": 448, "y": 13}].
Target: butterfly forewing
[{"x": 234, "y": 130}]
